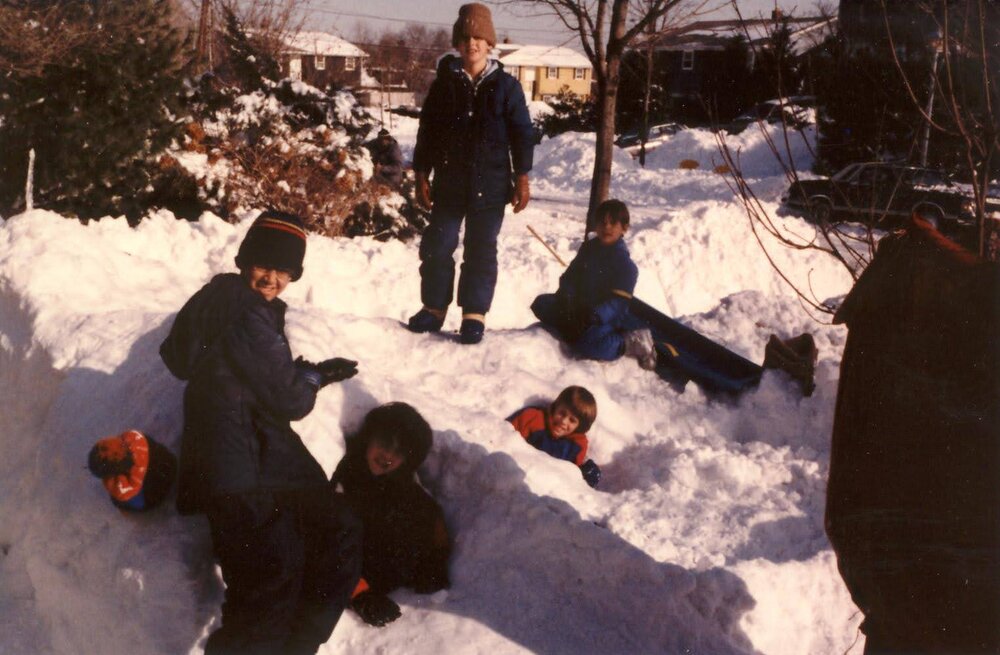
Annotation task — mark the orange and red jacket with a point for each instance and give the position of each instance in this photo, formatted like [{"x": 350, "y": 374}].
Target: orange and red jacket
[
  {"x": 533, "y": 424},
  {"x": 131, "y": 444}
]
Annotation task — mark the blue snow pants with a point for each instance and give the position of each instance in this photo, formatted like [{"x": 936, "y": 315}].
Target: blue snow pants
[
  {"x": 478, "y": 278},
  {"x": 600, "y": 341}
]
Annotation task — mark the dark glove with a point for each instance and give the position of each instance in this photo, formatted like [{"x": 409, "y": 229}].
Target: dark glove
[
  {"x": 591, "y": 472},
  {"x": 309, "y": 371},
  {"x": 336, "y": 370},
  {"x": 375, "y": 609}
]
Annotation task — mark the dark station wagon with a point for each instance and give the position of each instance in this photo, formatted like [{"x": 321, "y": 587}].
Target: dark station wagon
[{"x": 884, "y": 195}]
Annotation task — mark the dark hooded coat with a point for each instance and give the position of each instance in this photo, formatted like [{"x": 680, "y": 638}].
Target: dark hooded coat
[
  {"x": 406, "y": 543},
  {"x": 243, "y": 390},
  {"x": 474, "y": 139},
  {"x": 289, "y": 550},
  {"x": 913, "y": 499}
]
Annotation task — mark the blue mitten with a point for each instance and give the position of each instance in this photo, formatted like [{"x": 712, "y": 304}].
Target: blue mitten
[{"x": 591, "y": 472}]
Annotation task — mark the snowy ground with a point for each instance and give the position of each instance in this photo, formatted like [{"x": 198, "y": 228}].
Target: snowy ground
[{"x": 705, "y": 536}]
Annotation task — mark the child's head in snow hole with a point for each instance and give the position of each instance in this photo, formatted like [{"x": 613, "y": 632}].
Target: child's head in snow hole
[
  {"x": 573, "y": 411},
  {"x": 396, "y": 439},
  {"x": 611, "y": 221}
]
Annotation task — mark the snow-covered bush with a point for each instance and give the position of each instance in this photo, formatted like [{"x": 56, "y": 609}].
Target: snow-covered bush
[{"x": 292, "y": 147}]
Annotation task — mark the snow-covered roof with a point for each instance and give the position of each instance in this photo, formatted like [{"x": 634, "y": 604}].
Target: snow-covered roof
[
  {"x": 714, "y": 34},
  {"x": 545, "y": 55},
  {"x": 506, "y": 48},
  {"x": 323, "y": 43}
]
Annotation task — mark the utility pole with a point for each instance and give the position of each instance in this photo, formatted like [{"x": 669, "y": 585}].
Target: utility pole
[
  {"x": 202, "y": 46},
  {"x": 925, "y": 137}
]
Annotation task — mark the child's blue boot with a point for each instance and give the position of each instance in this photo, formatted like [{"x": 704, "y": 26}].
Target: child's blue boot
[
  {"x": 425, "y": 321},
  {"x": 471, "y": 331}
]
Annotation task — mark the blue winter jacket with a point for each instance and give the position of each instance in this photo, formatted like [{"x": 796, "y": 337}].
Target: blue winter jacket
[
  {"x": 473, "y": 140},
  {"x": 243, "y": 389},
  {"x": 600, "y": 280}
]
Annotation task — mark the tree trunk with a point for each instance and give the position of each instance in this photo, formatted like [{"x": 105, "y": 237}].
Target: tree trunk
[{"x": 607, "y": 98}]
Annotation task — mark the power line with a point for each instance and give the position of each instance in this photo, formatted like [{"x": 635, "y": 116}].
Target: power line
[{"x": 419, "y": 22}]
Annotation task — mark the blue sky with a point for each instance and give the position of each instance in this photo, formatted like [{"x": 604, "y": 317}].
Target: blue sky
[{"x": 516, "y": 22}]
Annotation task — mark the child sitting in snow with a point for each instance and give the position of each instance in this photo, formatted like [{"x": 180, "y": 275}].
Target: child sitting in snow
[
  {"x": 590, "y": 310},
  {"x": 561, "y": 429},
  {"x": 136, "y": 471},
  {"x": 405, "y": 542}
]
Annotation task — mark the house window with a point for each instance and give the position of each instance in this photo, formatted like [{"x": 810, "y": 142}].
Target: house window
[
  {"x": 513, "y": 70},
  {"x": 687, "y": 60},
  {"x": 579, "y": 73},
  {"x": 551, "y": 73},
  {"x": 350, "y": 63},
  {"x": 320, "y": 62}
]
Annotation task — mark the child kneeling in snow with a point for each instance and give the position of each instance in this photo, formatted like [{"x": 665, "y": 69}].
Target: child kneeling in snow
[
  {"x": 405, "y": 542},
  {"x": 590, "y": 310},
  {"x": 136, "y": 471},
  {"x": 290, "y": 551},
  {"x": 561, "y": 430}
]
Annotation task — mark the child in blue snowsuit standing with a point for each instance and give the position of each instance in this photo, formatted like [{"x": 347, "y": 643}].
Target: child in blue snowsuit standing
[
  {"x": 590, "y": 310},
  {"x": 289, "y": 550},
  {"x": 476, "y": 137}
]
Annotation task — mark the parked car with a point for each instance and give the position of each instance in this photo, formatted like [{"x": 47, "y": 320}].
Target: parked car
[
  {"x": 406, "y": 110},
  {"x": 883, "y": 195},
  {"x": 797, "y": 112},
  {"x": 655, "y": 136}
]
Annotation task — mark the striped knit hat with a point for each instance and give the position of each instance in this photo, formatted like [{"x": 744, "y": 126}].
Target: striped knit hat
[{"x": 275, "y": 240}]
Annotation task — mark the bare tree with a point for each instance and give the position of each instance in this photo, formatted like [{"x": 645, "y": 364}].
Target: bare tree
[
  {"x": 272, "y": 23},
  {"x": 606, "y": 28},
  {"x": 403, "y": 56},
  {"x": 968, "y": 40},
  {"x": 967, "y": 116}
]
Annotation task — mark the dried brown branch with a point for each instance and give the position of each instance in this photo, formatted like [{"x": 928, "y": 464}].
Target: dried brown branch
[{"x": 605, "y": 29}]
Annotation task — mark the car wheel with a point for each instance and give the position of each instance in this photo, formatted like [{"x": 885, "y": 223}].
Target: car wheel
[
  {"x": 820, "y": 210},
  {"x": 932, "y": 215}
]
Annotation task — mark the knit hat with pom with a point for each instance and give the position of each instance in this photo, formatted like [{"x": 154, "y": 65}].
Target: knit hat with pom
[{"x": 275, "y": 240}]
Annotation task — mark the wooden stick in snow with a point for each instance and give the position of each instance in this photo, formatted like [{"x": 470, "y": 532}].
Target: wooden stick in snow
[{"x": 547, "y": 246}]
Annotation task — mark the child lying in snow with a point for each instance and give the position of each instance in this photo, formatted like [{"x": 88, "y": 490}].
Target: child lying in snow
[
  {"x": 561, "y": 429},
  {"x": 136, "y": 471},
  {"x": 405, "y": 542},
  {"x": 590, "y": 310}
]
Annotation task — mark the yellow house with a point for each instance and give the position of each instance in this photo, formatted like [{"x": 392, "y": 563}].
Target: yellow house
[{"x": 543, "y": 70}]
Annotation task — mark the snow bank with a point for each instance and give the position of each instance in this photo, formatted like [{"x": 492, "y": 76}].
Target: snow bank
[
  {"x": 706, "y": 533},
  {"x": 564, "y": 165}
]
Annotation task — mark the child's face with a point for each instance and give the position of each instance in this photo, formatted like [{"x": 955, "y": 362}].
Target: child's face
[
  {"x": 562, "y": 422},
  {"x": 383, "y": 459},
  {"x": 268, "y": 282},
  {"x": 608, "y": 229},
  {"x": 474, "y": 52}
]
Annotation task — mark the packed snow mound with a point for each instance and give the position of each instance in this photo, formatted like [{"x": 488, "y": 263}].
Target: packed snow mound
[{"x": 705, "y": 535}]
